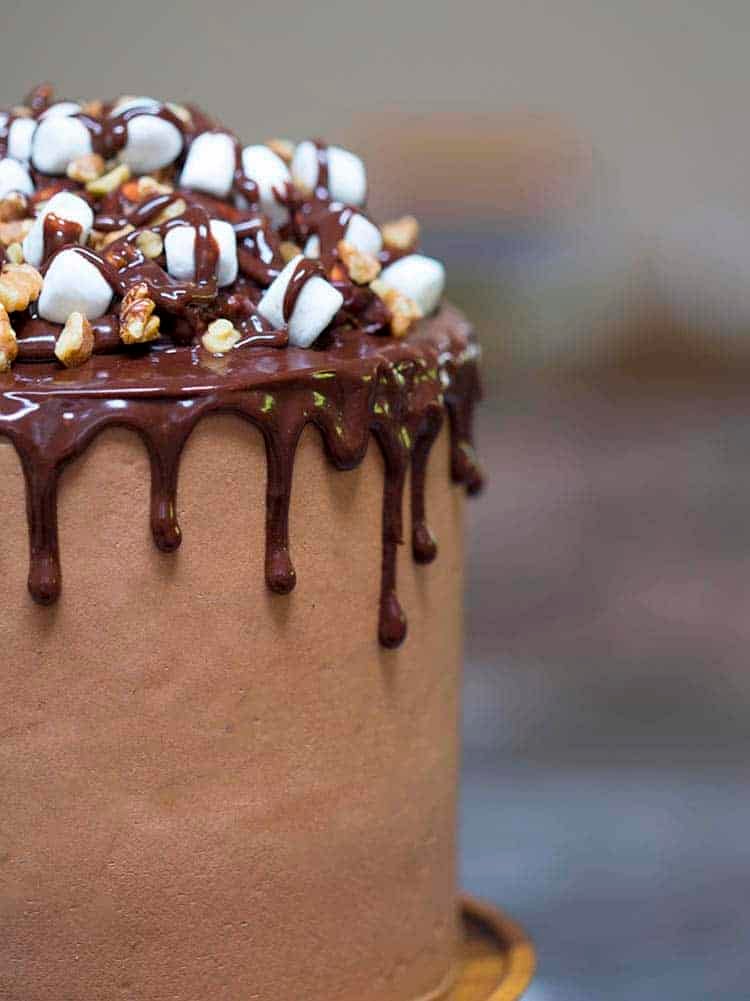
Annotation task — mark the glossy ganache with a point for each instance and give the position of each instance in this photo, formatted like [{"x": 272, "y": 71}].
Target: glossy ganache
[{"x": 357, "y": 381}]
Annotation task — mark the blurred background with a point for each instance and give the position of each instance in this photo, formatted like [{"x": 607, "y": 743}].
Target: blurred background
[{"x": 583, "y": 167}]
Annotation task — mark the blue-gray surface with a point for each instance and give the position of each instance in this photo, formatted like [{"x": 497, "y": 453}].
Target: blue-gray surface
[{"x": 607, "y": 700}]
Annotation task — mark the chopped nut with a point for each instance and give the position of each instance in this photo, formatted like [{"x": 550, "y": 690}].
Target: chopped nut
[
  {"x": 402, "y": 310},
  {"x": 21, "y": 111},
  {"x": 14, "y": 253},
  {"x": 94, "y": 109},
  {"x": 172, "y": 211},
  {"x": 363, "y": 268},
  {"x": 20, "y": 284},
  {"x": 85, "y": 169},
  {"x": 220, "y": 337},
  {"x": 401, "y": 234},
  {"x": 137, "y": 324},
  {"x": 13, "y": 206},
  {"x": 150, "y": 244},
  {"x": 14, "y": 232},
  {"x": 75, "y": 345},
  {"x": 181, "y": 112},
  {"x": 289, "y": 251},
  {"x": 110, "y": 181},
  {"x": 283, "y": 148},
  {"x": 99, "y": 240},
  {"x": 149, "y": 186},
  {"x": 8, "y": 342}
]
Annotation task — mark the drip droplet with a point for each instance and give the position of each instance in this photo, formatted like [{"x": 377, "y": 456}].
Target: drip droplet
[
  {"x": 280, "y": 573},
  {"x": 423, "y": 543},
  {"x": 165, "y": 528},
  {"x": 44, "y": 578},
  {"x": 392, "y": 627}
]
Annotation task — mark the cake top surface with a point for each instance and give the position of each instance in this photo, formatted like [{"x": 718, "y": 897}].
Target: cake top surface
[{"x": 143, "y": 235}]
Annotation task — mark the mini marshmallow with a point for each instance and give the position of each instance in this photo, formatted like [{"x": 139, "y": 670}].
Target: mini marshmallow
[
  {"x": 57, "y": 141},
  {"x": 420, "y": 278},
  {"x": 210, "y": 164},
  {"x": 65, "y": 205},
  {"x": 152, "y": 143},
  {"x": 347, "y": 180},
  {"x": 126, "y": 103},
  {"x": 268, "y": 171},
  {"x": 14, "y": 177},
  {"x": 73, "y": 285},
  {"x": 179, "y": 246},
  {"x": 360, "y": 232},
  {"x": 62, "y": 108},
  {"x": 317, "y": 304},
  {"x": 20, "y": 134}
]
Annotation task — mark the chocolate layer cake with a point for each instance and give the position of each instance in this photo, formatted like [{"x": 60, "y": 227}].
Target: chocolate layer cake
[{"x": 227, "y": 769}]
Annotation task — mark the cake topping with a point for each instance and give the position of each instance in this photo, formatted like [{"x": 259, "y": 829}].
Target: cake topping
[{"x": 152, "y": 274}]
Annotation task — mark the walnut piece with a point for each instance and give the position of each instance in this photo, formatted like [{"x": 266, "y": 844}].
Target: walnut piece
[
  {"x": 14, "y": 253},
  {"x": 8, "y": 342},
  {"x": 400, "y": 234},
  {"x": 288, "y": 251},
  {"x": 20, "y": 284},
  {"x": 137, "y": 324},
  {"x": 110, "y": 181},
  {"x": 403, "y": 312},
  {"x": 220, "y": 337},
  {"x": 363, "y": 268},
  {"x": 75, "y": 345},
  {"x": 85, "y": 169},
  {"x": 181, "y": 112},
  {"x": 14, "y": 206},
  {"x": 172, "y": 211},
  {"x": 15, "y": 231},
  {"x": 283, "y": 148},
  {"x": 150, "y": 244},
  {"x": 99, "y": 240}
]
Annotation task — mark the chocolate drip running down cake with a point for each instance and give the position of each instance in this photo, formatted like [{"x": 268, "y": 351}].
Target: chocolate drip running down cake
[{"x": 228, "y": 768}]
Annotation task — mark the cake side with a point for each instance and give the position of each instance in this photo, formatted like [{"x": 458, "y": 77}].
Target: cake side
[{"x": 211, "y": 790}]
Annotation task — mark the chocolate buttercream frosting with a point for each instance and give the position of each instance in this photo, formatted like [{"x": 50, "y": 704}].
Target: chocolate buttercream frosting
[{"x": 355, "y": 381}]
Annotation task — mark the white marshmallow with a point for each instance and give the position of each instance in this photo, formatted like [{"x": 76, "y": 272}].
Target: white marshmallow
[
  {"x": 347, "y": 180},
  {"x": 62, "y": 108},
  {"x": 126, "y": 103},
  {"x": 57, "y": 141},
  {"x": 152, "y": 143},
  {"x": 360, "y": 232},
  {"x": 268, "y": 171},
  {"x": 420, "y": 278},
  {"x": 14, "y": 177},
  {"x": 65, "y": 205},
  {"x": 317, "y": 304},
  {"x": 20, "y": 134},
  {"x": 210, "y": 164},
  {"x": 73, "y": 284},
  {"x": 179, "y": 246}
]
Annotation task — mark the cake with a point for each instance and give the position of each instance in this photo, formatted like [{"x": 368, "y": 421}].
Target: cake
[{"x": 228, "y": 706}]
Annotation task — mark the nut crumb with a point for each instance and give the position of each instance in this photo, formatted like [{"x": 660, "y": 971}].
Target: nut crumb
[
  {"x": 283, "y": 148},
  {"x": 172, "y": 211},
  {"x": 94, "y": 109},
  {"x": 403, "y": 312},
  {"x": 14, "y": 206},
  {"x": 288, "y": 251},
  {"x": 14, "y": 232},
  {"x": 75, "y": 345},
  {"x": 400, "y": 234},
  {"x": 150, "y": 244},
  {"x": 14, "y": 253},
  {"x": 110, "y": 181},
  {"x": 137, "y": 324},
  {"x": 220, "y": 337},
  {"x": 8, "y": 342},
  {"x": 20, "y": 284},
  {"x": 85, "y": 169},
  {"x": 363, "y": 268},
  {"x": 99, "y": 240},
  {"x": 181, "y": 112}
]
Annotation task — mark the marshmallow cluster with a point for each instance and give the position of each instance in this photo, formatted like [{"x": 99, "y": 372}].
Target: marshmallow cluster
[
  {"x": 347, "y": 181},
  {"x": 317, "y": 304},
  {"x": 179, "y": 246}
]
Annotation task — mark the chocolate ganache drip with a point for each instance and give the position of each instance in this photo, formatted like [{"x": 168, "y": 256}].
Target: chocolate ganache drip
[{"x": 189, "y": 301}]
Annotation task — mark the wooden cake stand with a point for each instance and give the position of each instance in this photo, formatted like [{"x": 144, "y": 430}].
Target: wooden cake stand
[{"x": 497, "y": 959}]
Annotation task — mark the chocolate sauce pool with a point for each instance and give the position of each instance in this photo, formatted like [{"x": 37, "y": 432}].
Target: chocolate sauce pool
[{"x": 356, "y": 387}]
